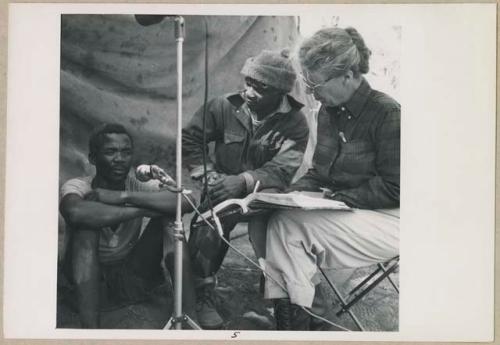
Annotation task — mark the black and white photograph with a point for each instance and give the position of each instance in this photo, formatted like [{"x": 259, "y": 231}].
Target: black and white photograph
[
  {"x": 227, "y": 170},
  {"x": 279, "y": 257}
]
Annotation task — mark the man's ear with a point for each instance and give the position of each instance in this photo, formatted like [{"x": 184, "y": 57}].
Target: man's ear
[{"x": 92, "y": 158}]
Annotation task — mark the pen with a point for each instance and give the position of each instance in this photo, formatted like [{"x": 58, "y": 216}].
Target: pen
[
  {"x": 342, "y": 136},
  {"x": 257, "y": 185},
  {"x": 327, "y": 192}
]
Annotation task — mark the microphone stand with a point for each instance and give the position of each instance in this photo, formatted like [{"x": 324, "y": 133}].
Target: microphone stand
[{"x": 178, "y": 317}]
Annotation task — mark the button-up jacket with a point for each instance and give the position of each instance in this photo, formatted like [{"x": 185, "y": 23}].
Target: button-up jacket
[
  {"x": 357, "y": 154},
  {"x": 270, "y": 154}
]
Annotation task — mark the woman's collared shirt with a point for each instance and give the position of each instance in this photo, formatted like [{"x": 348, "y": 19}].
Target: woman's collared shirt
[{"x": 357, "y": 153}]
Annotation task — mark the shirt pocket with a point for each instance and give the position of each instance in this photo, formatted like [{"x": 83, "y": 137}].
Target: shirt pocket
[
  {"x": 233, "y": 137},
  {"x": 357, "y": 157},
  {"x": 229, "y": 154}
]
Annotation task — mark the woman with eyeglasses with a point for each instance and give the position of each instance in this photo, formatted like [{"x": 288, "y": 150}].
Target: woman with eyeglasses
[{"x": 357, "y": 159}]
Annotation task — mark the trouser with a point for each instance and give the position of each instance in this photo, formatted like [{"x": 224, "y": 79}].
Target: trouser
[
  {"x": 298, "y": 241},
  {"x": 207, "y": 249}
]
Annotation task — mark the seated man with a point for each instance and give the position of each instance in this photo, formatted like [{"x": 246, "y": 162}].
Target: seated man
[
  {"x": 357, "y": 158},
  {"x": 105, "y": 214},
  {"x": 260, "y": 134}
]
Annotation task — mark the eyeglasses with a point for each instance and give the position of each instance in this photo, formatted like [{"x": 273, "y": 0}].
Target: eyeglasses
[{"x": 313, "y": 86}]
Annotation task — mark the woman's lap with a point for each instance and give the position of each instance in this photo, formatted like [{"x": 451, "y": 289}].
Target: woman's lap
[
  {"x": 339, "y": 239},
  {"x": 298, "y": 240}
]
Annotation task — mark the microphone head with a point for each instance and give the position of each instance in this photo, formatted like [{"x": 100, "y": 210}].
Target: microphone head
[
  {"x": 143, "y": 173},
  {"x": 148, "y": 19}
]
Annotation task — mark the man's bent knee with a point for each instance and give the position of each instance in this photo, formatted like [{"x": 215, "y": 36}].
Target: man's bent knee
[{"x": 85, "y": 260}]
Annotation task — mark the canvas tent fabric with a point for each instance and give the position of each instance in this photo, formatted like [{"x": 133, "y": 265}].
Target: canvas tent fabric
[{"x": 113, "y": 69}]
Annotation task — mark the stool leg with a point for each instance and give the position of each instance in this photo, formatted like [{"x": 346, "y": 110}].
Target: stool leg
[
  {"x": 346, "y": 306},
  {"x": 372, "y": 285},
  {"x": 367, "y": 279},
  {"x": 342, "y": 301},
  {"x": 381, "y": 266}
]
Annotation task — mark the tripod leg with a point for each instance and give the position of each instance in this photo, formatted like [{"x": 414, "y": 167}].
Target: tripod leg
[
  {"x": 191, "y": 323},
  {"x": 184, "y": 318},
  {"x": 169, "y": 324}
]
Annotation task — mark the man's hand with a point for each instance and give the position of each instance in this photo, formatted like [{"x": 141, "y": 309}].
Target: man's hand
[
  {"x": 264, "y": 149},
  {"x": 145, "y": 173},
  {"x": 159, "y": 174},
  {"x": 106, "y": 196},
  {"x": 271, "y": 141},
  {"x": 212, "y": 178},
  {"x": 228, "y": 187}
]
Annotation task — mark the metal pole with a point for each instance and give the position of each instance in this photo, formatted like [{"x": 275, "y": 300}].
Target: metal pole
[{"x": 178, "y": 230}]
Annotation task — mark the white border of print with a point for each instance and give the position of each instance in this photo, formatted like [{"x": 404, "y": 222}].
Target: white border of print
[{"x": 448, "y": 163}]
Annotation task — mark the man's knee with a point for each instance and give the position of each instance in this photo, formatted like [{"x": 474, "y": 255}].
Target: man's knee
[
  {"x": 85, "y": 256},
  {"x": 85, "y": 241}
]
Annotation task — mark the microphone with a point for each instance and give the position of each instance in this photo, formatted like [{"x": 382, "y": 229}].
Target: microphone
[
  {"x": 148, "y": 19},
  {"x": 147, "y": 172},
  {"x": 151, "y": 19}
]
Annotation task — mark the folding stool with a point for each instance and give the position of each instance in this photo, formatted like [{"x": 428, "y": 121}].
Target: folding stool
[{"x": 382, "y": 272}]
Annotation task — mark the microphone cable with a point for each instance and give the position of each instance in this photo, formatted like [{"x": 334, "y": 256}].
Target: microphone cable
[{"x": 204, "y": 148}]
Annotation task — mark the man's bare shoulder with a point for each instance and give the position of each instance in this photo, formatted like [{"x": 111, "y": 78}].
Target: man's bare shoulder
[{"x": 80, "y": 186}]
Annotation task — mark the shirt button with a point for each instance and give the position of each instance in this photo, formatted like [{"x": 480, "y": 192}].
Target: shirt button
[
  {"x": 349, "y": 117},
  {"x": 342, "y": 108}
]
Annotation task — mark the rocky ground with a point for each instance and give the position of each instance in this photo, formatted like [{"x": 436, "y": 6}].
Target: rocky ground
[{"x": 242, "y": 306}]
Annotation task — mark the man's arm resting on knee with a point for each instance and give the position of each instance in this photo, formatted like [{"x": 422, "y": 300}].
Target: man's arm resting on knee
[{"x": 94, "y": 214}]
